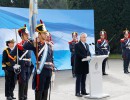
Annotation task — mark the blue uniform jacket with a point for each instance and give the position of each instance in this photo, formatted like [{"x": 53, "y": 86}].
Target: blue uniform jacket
[{"x": 103, "y": 47}]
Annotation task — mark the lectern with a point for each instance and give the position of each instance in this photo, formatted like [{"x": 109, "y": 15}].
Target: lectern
[{"x": 95, "y": 79}]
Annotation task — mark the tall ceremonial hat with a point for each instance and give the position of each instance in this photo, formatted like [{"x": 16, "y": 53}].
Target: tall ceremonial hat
[
  {"x": 41, "y": 27},
  {"x": 10, "y": 41},
  {"x": 126, "y": 31},
  {"x": 74, "y": 34},
  {"x": 103, "y": 33},
  {"x": 23, "y": 30}
]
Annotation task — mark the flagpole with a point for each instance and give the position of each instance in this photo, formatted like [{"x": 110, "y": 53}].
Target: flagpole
[{"x": 33, "y": 10}]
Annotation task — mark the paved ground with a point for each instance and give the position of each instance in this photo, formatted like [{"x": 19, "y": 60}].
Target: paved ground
[{"x": 117, "y": 84}]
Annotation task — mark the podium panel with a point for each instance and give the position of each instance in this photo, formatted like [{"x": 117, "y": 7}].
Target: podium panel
[{"x": 95, "y": 79}]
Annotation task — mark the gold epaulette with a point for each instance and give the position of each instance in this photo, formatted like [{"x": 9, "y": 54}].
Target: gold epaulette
[
  {"x": 8, "y": 64},
  {"x": 13, "y": 58}
]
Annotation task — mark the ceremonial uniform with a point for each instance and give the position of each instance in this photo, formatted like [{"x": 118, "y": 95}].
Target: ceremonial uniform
[
  {"x": 125, "y": 46},
  {"x": 41, "y": 81},
  {"x": 9, "y": 72},
  {"x": 25, "y": 62},
  {"x": 103, "y": 49},
  {"x": 72, "y": 50}
]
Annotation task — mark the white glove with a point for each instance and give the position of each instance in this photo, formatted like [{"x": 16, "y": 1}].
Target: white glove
[
  {"x": 88, "y": 58},
  {"x": 128, "y": 44},
  {"x": 16, "y": 66},
  {"x": 108, "y": 52},
  {"x": 35, "y": 35}
]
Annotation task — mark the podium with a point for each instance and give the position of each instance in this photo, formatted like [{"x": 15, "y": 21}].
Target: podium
[{"x": 95, "y": 79}]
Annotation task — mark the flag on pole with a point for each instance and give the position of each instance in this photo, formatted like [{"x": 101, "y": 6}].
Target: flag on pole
[{"x": 33, "y": 11}]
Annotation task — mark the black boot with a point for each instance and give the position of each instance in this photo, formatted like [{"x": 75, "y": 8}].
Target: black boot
[
  {"x": 21, "y": 91},
  {"x": 26, "y": 92},
  {"x": 45, "y": 95},
  {"x": 9, "y": 98},
  {"x": 25, "y": 98},
  {"x": 13, "y": 97},
  {"x": 38, "y": 95}
]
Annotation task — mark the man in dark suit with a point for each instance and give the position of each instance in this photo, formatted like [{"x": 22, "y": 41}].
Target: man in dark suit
[{"x": 81, "y": 67}]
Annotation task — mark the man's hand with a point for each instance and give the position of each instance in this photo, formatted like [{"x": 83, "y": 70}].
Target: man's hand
[
  {"x": 87, "y": 58},
  {"x": 108, "y": 52},
  {"x": 35, "y": 35},
  {"x": 16, "y": 66}
]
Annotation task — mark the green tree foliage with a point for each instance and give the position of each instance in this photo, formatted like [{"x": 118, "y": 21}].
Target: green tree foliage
[
  {"x": 15, "y": 3},
  {"x": 111, "y": 15}
]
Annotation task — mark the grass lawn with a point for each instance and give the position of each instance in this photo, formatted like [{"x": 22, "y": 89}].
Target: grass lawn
[{"x": 115, "y": 56}]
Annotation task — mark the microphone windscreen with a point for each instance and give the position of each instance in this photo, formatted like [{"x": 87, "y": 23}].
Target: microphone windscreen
[{"x": 93, "y": 43}]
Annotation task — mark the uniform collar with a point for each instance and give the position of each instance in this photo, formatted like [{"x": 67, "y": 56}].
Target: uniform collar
[
  {"x": 22, "y": 41},
  {"x": 102, "y": 39},
  {"x": 74, "y": 40},
  {"x": 126, "y": 38},
  {"x": 42, "y": 42}
]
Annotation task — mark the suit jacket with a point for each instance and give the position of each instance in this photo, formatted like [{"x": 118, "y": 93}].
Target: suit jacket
[{"x": 80, "y": 53}]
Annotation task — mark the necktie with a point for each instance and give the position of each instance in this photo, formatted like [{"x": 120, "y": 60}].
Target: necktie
[{"x": 84, "y": 45}]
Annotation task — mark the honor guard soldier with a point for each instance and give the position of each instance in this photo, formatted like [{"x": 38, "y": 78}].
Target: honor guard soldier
[
  {"x": 9, "y": 71},
  {"x": 125, "y": 46},
  {"x": 51, "y": 43},
  {"x": 72, "y": 50},
  {"x": 44, "y": 56},
  {"x": 103, "y": 49},
  {"x": 49, "y": 40},
  {"x": 24, "y": 60}
]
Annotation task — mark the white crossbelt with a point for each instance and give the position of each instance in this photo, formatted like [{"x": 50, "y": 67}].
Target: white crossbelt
[
  {"x": 128, "y": 47},
  {"x": 47, "y": 63},
  {"x": 41, "y": 50},
  {"x": 25, "y": 59},
  {"x": 23, "y": 55},
  {"x": 104, "y": 48},
  {"x": 127, "y": 41},
  {"x": 103, "y": 43}
]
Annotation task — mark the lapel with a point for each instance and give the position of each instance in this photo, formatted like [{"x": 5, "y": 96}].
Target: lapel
[{"x": 82, "y": 46}]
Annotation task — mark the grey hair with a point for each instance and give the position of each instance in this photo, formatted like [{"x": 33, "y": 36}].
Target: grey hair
[{"x": 83, "y": 33}]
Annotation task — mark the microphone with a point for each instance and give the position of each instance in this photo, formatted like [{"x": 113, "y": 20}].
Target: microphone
[
  {"x": 90, "y": 44},
  {"x": 92, "y": 47},
  {"x": 93, "y": 43}
]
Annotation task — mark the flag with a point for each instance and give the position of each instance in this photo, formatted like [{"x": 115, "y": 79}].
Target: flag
[{"x": 33, "y": 11}]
